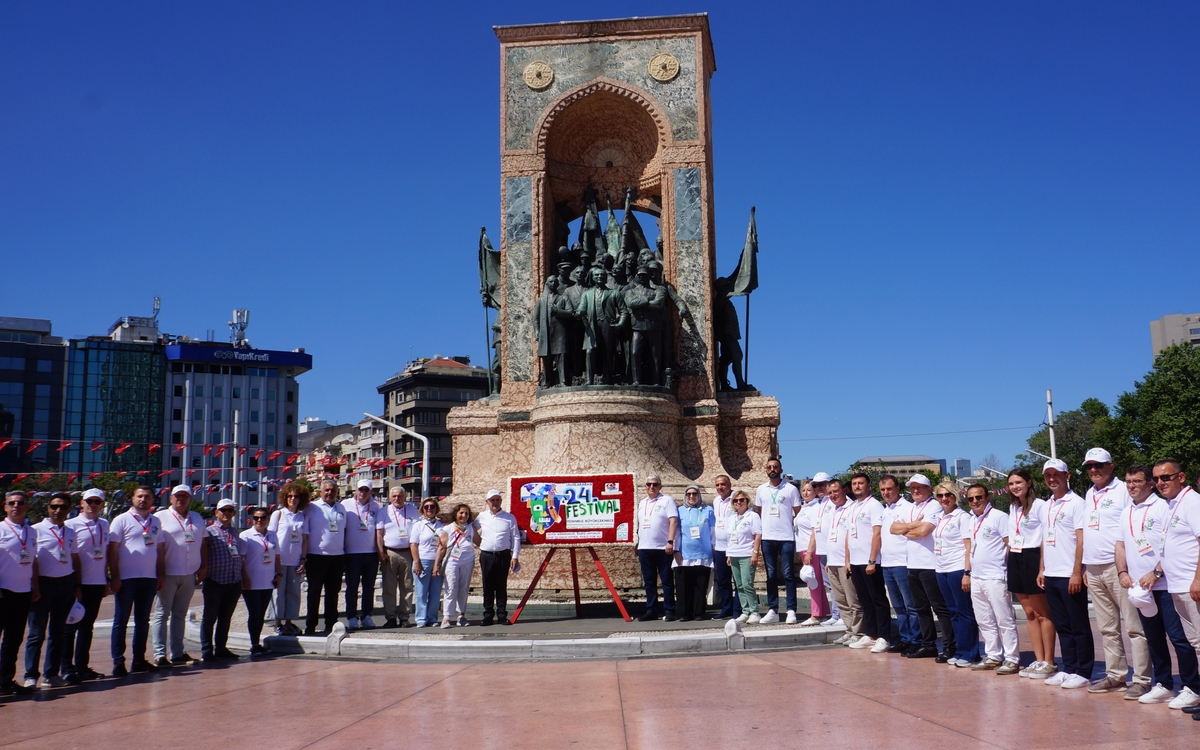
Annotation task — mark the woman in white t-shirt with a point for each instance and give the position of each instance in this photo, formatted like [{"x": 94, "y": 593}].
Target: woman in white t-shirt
[
  {"x": 950, "y": 533},
  {"x": 427, "y": 583},
  {"x": 261, "y": 573},
  {"x": 289, "y": 524},
  {"x": 456, "y": 560},
  {"x": 805, "y": 521},
  {"x": 744, "y": 552},
  {"x": 1024, "y": 560}
]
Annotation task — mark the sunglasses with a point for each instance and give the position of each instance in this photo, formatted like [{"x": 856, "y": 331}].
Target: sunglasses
[
  {"x": 941, "y": 495},
  {"x": 741, "y": 500},
  {"x": 1165, "y": 477},
  {"x": 653, "y": 484},
  {"x": 693, "y": 492},
  {"x": 428, "y": 507},
  {"x": 58, "y": 507},
  {"x": 16, "y": 503},
  {"x": 225, "y": 510},
  {"x": 971, "y": 498},
  {"x": 94, "y": 501},
  {"x": 260, "y": 519}
]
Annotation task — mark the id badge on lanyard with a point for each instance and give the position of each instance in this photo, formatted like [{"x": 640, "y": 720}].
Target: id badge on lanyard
[
  {"x": 1017, "y": 543},
  {"x": 694, "y": 532},
  {"x": 1143, "y": 545},
  {"x": 97, "y": 553},
  {"x": 1094, "y": 520},
  {"x": 267, "y": 556},
  {"x": 294, "y": 535},
  {"x": 25, "y": 557}
]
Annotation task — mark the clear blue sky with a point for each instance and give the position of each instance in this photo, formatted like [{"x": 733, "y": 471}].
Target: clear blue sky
[{"x": 959, "y": 204}]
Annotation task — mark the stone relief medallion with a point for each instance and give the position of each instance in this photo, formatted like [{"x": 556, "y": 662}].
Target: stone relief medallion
[
  {"x": 663, "y": 67},
  {"x": 539, "y": 75}
]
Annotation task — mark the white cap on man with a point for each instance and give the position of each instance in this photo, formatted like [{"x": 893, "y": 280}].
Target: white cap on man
[
  {"x": 93, "y": 492},
  {"x": 225, "y": 503},
  {"x": 364, "y": 484},
  {"x": 920, "y": 479},
  {"x": 1097, "y": 456},
  {"x": 1056, "y": 464},
  {"x": 493, "y": 493},
  {"x": 821, "y": 477},
  {"x": 182, "y": 488}
]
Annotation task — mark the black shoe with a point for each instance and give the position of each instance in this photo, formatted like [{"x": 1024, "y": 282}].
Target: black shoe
[
  {"x": 1192, "y": 710},
  {"x": 669, "y": 618},
  {"x": 647, "y": 617},
  {"x": 1195, "y": 717},
  {"x": 224, "y": 653},
  {"x": 163, "y": 662},
  {"x": 184, "y": 660},
  {"x": 73, "y": 679},
  {"x": 142, "y": 666},
  {"x": 90, "y": 674},
  {"x": 485, "y": 622},
  {"x": 942, "y": 658},
  {"x": 119, "y": 670},
  {"x": 390, "y": 623},
  {"x": 685, "y": 618},
  {"x": 505, "y": 621},
  {"x": 897, "y": 648},
  {"x": 20, "y": 689},
  {"x": 257, "y": 650},
  {"x": 310, "y": 631}
]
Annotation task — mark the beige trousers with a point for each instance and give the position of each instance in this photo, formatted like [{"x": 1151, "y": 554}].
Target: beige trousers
[
  {"x": 397, "y": 576},
  {"x": 1113, "y": 609},
  {"x": 1189, "y": 617},
  {"x": 846, "y": 597}
]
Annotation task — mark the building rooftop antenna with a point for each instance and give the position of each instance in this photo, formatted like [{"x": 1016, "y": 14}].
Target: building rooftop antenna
[{"x": 237, "y": 329}]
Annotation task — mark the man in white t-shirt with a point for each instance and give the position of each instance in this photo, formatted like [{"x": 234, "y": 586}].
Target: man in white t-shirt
[
  {"x": 91, "y": 545},
  {"x": 499, "y": 553},
  {"x": 1104, "y": 503},
  {"x": 835, "y": 528},
  {"x": 1180, "y": 555},
  {"x": 1061, "y": 575},
  {"x": 777, "y": 502},
  {"x": 362, "y": 555},
  {"x": 137, "y": 563},
  {"x": 58, "y": 585},
  {"x": 654, "y": 536},
  {"x": 392, "y": 526},
  {"x": 894, "y": 553},
  {"x": 325, "y": 561},
  {"x": 731, "y": 606},
  {"x": 863, "y": 544},
  {"x": 186, "y": 559},
  {"x": 917, "y": 528}
]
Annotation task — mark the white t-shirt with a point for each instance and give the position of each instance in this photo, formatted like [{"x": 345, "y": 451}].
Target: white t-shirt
[
  {"x": 1029, "y": 534},
  {"x": 949, "y": 532},
  {"x": 360, "y": 526},
  {"x": 835, "y": 528},
  {"x": 18, "y": 547},
  {"x": 326, "y": 528},
  {"x": 806, "y": 518},
  {"x": 1060, "y": 520},
  {"x": 424, "y": 534},
  {"x": 895, "y": 546},
  {"x": 91, "y": 544},
  {"x": 396, "y": 524},
  {"x": 498, "y": 532},
  {"x": 54, "y": 548},
  {"x": 1142, "y": 528},
  {"x": 740, "y": 531},
  {"x": 137, "y": 540},
  {"x": 865, "y": 516},
  {"x": 721, "y": 510},
  {"x": 289, "y": 529},
  {"x": 653, "y": 521},
  {"x": 1102, "y": 526},
  {"x": 777, "y": 507},
  {"x": 182, "y": 538},
  {"x": 460, "y": 544},
  {"x": 258, "y": 558},
  {"x": 989, "y": 551},
  {"x": 1181, "y": 543},
  {"x": 920, "y": 551},
  {"x": 821, "y": 524}
]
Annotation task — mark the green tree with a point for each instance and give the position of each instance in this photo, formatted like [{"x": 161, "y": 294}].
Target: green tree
[
  {"x": 1160, "y": 415},
  {"x": 1092, "y": 425}
]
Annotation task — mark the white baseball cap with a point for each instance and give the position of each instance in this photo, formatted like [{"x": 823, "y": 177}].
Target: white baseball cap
[
  {"x": 920, "y": 479},
  {"x": 93, "y": 492},
  {"x": 181, "y": 488},
  {"x": 494, "y": 493},
  {"x": 1097, "y": 456},
  {"x": 1057, "y": 464},
  {"x": 1143, "y": 600},
  {"x": 225, "y": 503},
  {"x": 76, "y": 614},
  {"x": 821, "y": 476},
  {"x": 363, "y": 484}
]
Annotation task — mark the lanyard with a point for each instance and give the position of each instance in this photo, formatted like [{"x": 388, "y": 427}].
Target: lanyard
[
  {"x": 179, "y": 521},
  {"x": 979, "y": 525},
  {"x": 365, "y": 509},
  {"x": 691, "y": 515},
  {"x": 336, "y": 508},
  {"x": 651, "y": 504},
  {"x": 229, "y": 540},
  {"x": 458, "y": 536},
  {"x": 1145, "y": 512},
  {"x": 737, "y": 524},
  {"x": 60, "y": 538},
  {"x": 21, "y": 539},
  {"x": 1167, "y": 528},
  {"x": 149, "y": 524},
  {"x": 88, "y": 525},
  {"x": 1061, "y": 508},
  {"x": 1020, "y": 514},
  {"x": 396, "y": 518},
  {"x": 917, "y": 510},
  {"x": 1098, "y": 495},
  {"x": 941, "y": 525},
  {"x": 721, "y": 506},
  {"x": 775, "y": 494},
  {"x": 265, "y": 542},
  {"x": 837, "y": 515}
]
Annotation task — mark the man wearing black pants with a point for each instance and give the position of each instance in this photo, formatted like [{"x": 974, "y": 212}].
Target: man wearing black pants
[
  {"x": 863, "y": 546},
  {"x": 922, "y": 572},
  {"x": 499, "y": 550},
  {"x": 722, "y": 573},
  {"x": 1061, "y": 576},
  {"x": 222, "y": 585},
  {"x": 324, "y": 564}
]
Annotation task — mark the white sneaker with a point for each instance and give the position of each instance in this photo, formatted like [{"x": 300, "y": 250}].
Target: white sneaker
[
  {"x": 770, "y": 618},
  {"x": 420, "y": 624},
  {"x": 446, "y": 625},
  {"x": 743, "y": 617},
  {"x": 1159, "y": 694},
  {"x": 30, "y": 682},
  {"x": 1056, "y": 679},
  {"x": 881, "y": 645},
  {"x": 1026, "y": 670},
  {"x": 352, "y": 623},
  {"x": 953, "y": 661},
  {"x": 367, "y": 622},
  {"x": 842, "y": 639},
  {"x": 754, "y": 619},
  {"x": 1185, "y": 699},
  {"x": 836, "y": 622},
  {"x": 1046, "y": 669},
  {"x": 810, "y": 622},
  {"x": 791, "y": 618},
  {"x": 1075, "y": 681},
  {"x": 865, "y": 641}
]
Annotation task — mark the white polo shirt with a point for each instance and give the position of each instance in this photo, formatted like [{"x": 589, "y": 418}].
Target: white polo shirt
[
  {"x": 259, "y": 552},
  {"x": 18, "y": 548},
  {"x": 396, "y": 524},
  {"x": 1060, "y": 520},
  {"x": 137, "y": 538},
  {"x": 741, "y": 530},
  {"x": 1102, "y": 528},
  {"x": 54, "y": 547},
  {"x": 949, "y": 533},
  {"x": 460, "y": 543},
  {"x": 1025, "y": 529},
  {"x": 920, "y": 551},
  {"x": 989, "y": 551},
  {"x": 895, "y": 546},
  {"x": 424, "y": 533},
  {"x": 1180, "y": 543},
  {"x": 777, "y": 508},
  {"x": 182, "y": 538},
  {"x": 821, "y": 526},
  {"x": 289, "y": 529},
  {"x": 498, "y": 532},
  {"x": 91, "y": 544},
  {"x": 806, "y": 519},
  {"x": 653, "y": 521},
  {"x": 360, "y": 526},
  {"x": 865, "y": 516},
  {"x": 1142, "y": 528},
  {"x": 835, "y": 532},
  {"x": 326, "y": 528},
  {"x": 722, "y": 508}
]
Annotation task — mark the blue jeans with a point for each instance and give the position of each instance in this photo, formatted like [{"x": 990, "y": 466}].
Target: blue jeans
[
  {"x": 57, "y": 598},
  {"x": 427, "y": 593},
  {"x": 962, "y": 615},
  {"x": 723, "y": 583},
  {"x": 656, "y": 566},
  {"x": 896, "y": 580},
  {"x": 779, "y": 556},
  {"x": 1166, "y": 625},
  {"x": 136, "y": 597}
]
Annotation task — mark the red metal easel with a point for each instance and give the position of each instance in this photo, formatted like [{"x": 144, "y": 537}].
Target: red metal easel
[{"x": 575, "y": 580}]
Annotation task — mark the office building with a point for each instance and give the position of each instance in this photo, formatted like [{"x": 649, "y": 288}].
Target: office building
[
  {"x": 32, "y": 365},
  {"x": 904, "y": 466},
  {"x": 419, "y": 398},
  {"x": 1174, "y": 329},
  {"x": 962, "y": 467}
]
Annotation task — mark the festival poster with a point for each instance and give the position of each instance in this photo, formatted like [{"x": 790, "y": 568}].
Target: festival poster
[{"x": 574, "y": 510}]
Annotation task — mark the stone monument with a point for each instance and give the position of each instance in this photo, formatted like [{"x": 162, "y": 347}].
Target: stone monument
[{"x": 614, "y": 111}]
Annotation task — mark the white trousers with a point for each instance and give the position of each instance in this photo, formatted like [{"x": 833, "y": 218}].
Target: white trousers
[
  {"x": 458, "y": 581},
  {"x": 992, "y": 603}
]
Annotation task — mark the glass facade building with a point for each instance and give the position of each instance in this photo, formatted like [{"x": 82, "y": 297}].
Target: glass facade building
[{"x": 31, "y": 395}]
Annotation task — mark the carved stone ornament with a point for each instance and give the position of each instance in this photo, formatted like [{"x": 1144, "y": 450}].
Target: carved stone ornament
[
  {"x": 663, "y": 67},
  {"x": 539, "y": 75}
]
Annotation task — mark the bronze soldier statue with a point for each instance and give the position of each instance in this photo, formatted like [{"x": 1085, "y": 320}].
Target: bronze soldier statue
[{"x": 604, "y": 315}]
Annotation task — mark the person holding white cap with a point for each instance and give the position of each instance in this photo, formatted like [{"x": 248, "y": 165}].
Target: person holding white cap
[
  {"x": 222, "y": 585},
  {"x": 325, "y": 560},
  {"x": 863, "y": 543},
  {"x": 820, "y": 484},
  {"x": 91, "y": 545},
  {"x": 835, "y": 526},
  {"x": 187, "y": 557},
  {"x": 137, "y": 566},
  {"x": 18, "y": 585},
  {"x": 918, "y": 529},
  {"x": 1104, "y": 502},
  {"x": 1180, "y": 552},
  {"x": 777, "y": 502},
  {"x": 987, "y": 578},
  {"x": 392, "y": 527},
  {"x": 724, "y": 593},
  {"x": 261, "y": 573},
  {"x": 499, "y": 552},
  {"x": 1024, "y": 564},
  {"x": 1137, "y": 555},
  {"x": 1061, "y": 575},
  {"x": 362, "y": 554},
  {"x": 58, "y": 584}
]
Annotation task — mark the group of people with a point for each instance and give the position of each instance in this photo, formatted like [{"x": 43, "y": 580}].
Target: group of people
[{"x": 1131, "y": 546}]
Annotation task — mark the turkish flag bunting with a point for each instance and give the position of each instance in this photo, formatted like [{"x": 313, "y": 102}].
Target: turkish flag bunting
[
  {"x": 120, "y": 474},
  {"x": 213, "y": 488},
  {"x": 274, "y": 455},
  {"x": 93, "y": 475},
  {"x": 402, "y": 462},
  {"x": 286, "y": 469},
  {"x": 207, "y": 449},
  {"x": 62, "y": 446},
  {"x": 20, "y": 477},
  {"x": 190, "y": 472},
  {"x": 162, "y": 491},
  {"x": 45, "y": 478},
  {"x": 153, "y": 449},
  {"x": 261, "y": 469},
  {"x": 4, "y": 443},
  {"x": 179, "y": 447},
  {"x": 242, "y": 451},
  {"x": 213, "y": 472},
  {"x": 34, "y": 445},
  {"x": 72, "y": 478},
  {"x": 386, "y": 462},
  {"x": 164, "y": 473},
  {"x": 258, "y": 453},
  {"x": 143, "y": 473},
  {"x": 292, "y": 458},
  {"x": 221, "y": 449},
  {"x": 122, "y": 448},
  {"x": 97, "y": 445}
]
